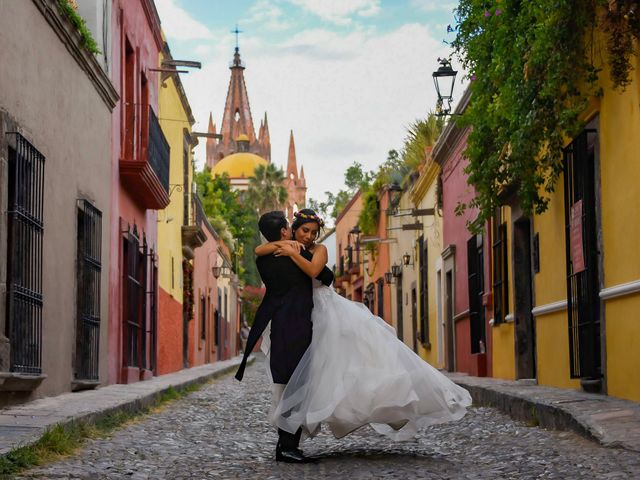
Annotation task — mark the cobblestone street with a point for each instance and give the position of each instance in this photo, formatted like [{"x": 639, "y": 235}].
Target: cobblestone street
[{"x": 221, "y": 432}]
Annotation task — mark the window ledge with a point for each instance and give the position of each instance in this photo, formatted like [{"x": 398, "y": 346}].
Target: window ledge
[
  {"x": 19, "y": 382},
  {"x": 78, "y": 385}
]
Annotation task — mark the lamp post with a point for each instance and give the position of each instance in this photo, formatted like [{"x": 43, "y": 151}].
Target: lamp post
[{"x": 444, "y": 79}]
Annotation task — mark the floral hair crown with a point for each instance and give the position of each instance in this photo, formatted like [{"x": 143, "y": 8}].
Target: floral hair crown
[{"x": 314, "y": 218}]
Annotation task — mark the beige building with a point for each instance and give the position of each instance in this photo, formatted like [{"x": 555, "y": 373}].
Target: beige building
[{"x": 55, "y": 154}]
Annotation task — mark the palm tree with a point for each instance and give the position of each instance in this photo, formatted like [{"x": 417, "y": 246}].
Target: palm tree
[
  {"x": 266, "y": 189},
  {"x": 421, "y": 136}
]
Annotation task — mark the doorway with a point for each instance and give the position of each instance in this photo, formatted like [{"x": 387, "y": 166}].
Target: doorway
[{"x": 523, "y": 282}]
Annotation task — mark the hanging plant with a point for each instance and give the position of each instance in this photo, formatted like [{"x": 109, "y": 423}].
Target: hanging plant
[{"x": 532, "y": 74}]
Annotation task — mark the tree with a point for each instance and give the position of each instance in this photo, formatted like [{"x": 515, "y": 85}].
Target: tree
[
  {"x": 235, "y": 223},
  {"x": 266, "y": 189}
]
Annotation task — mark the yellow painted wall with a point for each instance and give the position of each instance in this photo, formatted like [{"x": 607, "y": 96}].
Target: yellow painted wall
[
  {"x": 623, "y": 347},
  {"x": 620, "y": 196},
  {"x": 425, "y": 197},
  {"x": 619, "y": 182},
  {"x": 173, "y": 120},
  {"x": 502, "y": 335}
]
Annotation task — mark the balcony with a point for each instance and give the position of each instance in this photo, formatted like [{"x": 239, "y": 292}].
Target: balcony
[{"x": 147, "y": 178}]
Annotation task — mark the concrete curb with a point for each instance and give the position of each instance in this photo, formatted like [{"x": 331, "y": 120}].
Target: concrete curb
[
  {"x": 610, "y": 421},
  {"x": 24, "y": 425}
]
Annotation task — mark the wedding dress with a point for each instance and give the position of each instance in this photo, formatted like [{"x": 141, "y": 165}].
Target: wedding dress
[{"x": 356, "y": 372}]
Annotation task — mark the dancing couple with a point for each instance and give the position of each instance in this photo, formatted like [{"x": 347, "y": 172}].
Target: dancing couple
[{"x": 331, "y": 360}]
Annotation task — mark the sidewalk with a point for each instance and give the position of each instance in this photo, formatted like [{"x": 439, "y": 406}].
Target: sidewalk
[
  {"x": 610, "y": 421},
  {"x": 24, "y": 424}
]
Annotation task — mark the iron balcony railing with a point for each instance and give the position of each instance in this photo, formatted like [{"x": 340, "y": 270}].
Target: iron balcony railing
[
  {"x": 24, "y": 259},
  {"x": 159, "y": 151}
]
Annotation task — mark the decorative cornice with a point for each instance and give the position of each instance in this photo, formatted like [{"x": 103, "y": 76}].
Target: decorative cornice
[
  {"x": 620, "y": 290},
  {"x": 347, "y": 206},
  {"x": 425, "y": 180},
  {"x": 71, "y": 39},
  {"x": 178, "y": 84},
  {"x": 549, "y": 308},
  {"x": 153, "y": 18}
]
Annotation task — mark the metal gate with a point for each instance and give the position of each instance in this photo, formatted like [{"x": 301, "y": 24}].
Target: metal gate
[
  {"x": 24, "y": 256},
  {"x": 582, "y": 257}
]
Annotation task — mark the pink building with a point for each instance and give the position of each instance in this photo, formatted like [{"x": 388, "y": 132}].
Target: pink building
[
  {"x": 204, "y": 343},
  {"x": 464, "y": 269},
  {"x": 140, "y": 182}
]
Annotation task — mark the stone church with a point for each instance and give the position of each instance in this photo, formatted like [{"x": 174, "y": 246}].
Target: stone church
[{"x": 240, "y": 151}]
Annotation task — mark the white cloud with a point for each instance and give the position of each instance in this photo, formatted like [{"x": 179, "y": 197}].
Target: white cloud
[
  {"x": 433, "y": 5},
  {"x": 347, "y": 97},
  {"x": 178, "y": 24},
  {"x": 268, "y": 15},
  {"x": 339, "y": 11}
]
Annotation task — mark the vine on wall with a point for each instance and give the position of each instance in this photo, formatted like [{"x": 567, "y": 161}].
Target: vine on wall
[{"x": 532, "y": 73}]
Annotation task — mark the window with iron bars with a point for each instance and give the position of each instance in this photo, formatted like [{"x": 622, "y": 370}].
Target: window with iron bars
[
  {"x": 89, "y": 268},
  {"x": 135, "y": 305},
  {"x": 24, "y": 256},
  {"x": 203, "y": 317},
  {"x": 500, "y": 269}
]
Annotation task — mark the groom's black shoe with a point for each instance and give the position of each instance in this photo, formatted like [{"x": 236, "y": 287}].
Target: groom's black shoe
[{"x": 291, "y": 456}]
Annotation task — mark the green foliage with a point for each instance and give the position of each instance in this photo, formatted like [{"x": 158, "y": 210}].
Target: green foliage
[
  {"x": 421, "y": 135},
  {"x": 355, "y": 178},
  {"x": 266, "y": 190},
  {"x": 231, "y": 219},
  {"x": 87, "y": 40},
  {"x": 532, "y": 76}
]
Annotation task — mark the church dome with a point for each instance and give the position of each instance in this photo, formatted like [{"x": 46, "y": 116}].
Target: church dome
[
  {"x": 242, "y": 138},
  {"x": 238, "y": 165}
]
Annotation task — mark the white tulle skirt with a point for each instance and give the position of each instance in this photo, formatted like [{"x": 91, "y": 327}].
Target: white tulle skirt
[{"x": 356, "y": 372}]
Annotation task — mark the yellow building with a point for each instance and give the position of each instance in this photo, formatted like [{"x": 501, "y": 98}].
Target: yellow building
[
  {"x": 178, "y": 233},
  {"x": 428, "y": 248},
  {"x": 574, "y": 271}
]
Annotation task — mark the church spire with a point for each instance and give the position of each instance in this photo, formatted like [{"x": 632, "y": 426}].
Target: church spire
[
  {"x": 211, "y": 143},
  {"x": 292, "y": 168},
  {"x": 237, "y": 111}
]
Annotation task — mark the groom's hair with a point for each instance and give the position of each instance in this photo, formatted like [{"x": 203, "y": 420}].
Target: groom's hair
[{"x": 271, "y": 223}]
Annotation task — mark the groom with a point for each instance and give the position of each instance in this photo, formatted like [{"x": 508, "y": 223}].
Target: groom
[{"x": 287, "y": 303}]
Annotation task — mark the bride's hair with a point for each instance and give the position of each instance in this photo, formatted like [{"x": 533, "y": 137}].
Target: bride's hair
[{"x": 306, "y": 215}]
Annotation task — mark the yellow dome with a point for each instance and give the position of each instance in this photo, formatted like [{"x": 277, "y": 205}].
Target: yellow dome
[
  {"x": 238, "y": 165},
  {"x": 242, "y": 138}
]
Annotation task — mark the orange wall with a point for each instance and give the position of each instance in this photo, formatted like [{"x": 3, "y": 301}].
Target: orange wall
[{"x": 169, "y": 334}]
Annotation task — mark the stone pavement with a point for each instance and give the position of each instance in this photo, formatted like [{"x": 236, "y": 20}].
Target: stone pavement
[
  {"x": 221, "y": 432},
  {"x": 25, "y": 424},
  {"x": 610, "y": 421}
]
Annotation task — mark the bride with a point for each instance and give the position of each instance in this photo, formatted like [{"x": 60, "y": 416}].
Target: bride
[{"x": 356, "y": 371}]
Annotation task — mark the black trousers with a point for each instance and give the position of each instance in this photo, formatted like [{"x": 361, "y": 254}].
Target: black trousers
[{"x": 289, "y": 441}]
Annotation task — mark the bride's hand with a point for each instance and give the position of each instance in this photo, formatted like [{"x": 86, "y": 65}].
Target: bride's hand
[{"x": 289, "y": 249}]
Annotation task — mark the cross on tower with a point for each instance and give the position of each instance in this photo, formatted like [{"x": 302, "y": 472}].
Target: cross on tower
[{"x": 237, "y": 32}]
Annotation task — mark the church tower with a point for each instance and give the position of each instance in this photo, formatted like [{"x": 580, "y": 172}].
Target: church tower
[
  {"x": 237, "y": 120},
  {"x": 295, "y": 184}
]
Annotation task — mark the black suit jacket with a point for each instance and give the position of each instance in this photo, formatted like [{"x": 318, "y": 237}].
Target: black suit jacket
[{"x": 287, "y": 303}]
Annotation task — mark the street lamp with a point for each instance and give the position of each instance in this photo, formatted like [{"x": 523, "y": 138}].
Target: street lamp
[
  {"x": 444, "y": 79},
  {"x": 396, "y": 270},
  {"x": 388, "y": 278},
  {"x": 395, "y": 192},
  {"x": 406, "y": 259}
]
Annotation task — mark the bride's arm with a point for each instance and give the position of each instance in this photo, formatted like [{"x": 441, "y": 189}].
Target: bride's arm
[
  {"x": 271, "y": 247},
  {"x": 311, "y": 268}
]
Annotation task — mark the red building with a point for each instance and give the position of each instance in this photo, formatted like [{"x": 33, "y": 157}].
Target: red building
[
  {"x": 465, "y": 272},
  {"x": 140, "y": 182}
]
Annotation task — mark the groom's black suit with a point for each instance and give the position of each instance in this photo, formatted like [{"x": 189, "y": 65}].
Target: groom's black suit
[{"x": 287, "y": 303}]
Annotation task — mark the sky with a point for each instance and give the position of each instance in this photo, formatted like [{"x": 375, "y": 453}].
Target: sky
[{"x": 347, "y": 76}]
